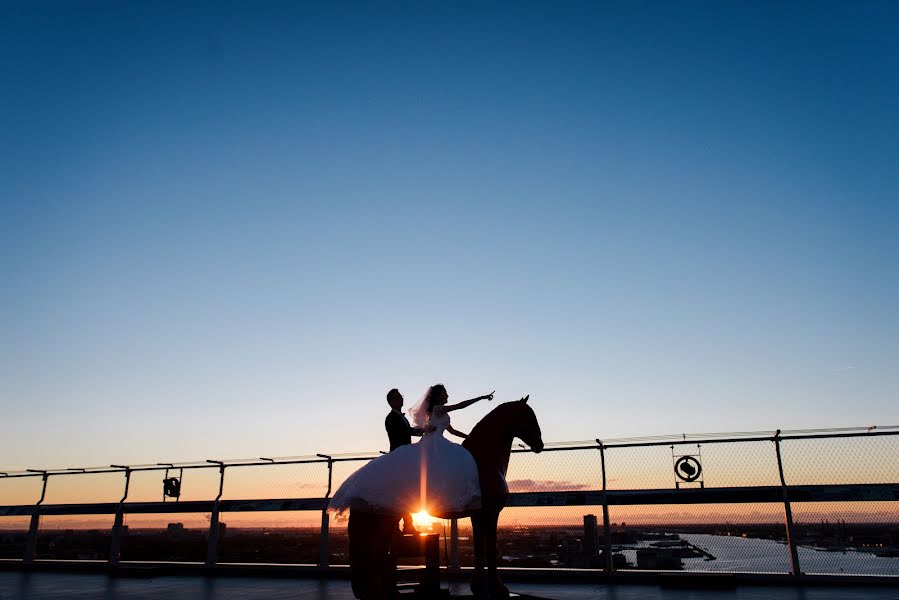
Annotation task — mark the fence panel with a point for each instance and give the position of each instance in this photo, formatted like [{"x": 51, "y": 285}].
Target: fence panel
[
  {"x": 196, "y": 484},
  {"x": 74, "y": 537},
  {"x": 13, "y": 534},
  {"x": 85, "y": 488},
  {"x": 860, "y": 538},
  {"x": 176, "y": 537},
  {"x": 303, "y": 480},
  {"x": 569, "y": 470},
  {"x": 844, "y": 460},
  {"x": 726, "y": 464},
  {"x": 732, "y": 538},
  {"x": 283, "y": 537},
  {"x": 547, "y": 538},
  {"x": 19, "y": 490}
]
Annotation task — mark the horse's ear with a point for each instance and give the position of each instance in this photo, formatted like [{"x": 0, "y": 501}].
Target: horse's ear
[{"x": 525, "y": 399}]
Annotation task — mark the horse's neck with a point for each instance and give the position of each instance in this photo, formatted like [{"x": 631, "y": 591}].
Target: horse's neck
[
  {"x": 501, "y": 452},
  {"x": 491, "y": 449}
]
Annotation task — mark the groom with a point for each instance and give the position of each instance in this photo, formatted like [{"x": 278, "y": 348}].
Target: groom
[{"x": 400, "y": 433}]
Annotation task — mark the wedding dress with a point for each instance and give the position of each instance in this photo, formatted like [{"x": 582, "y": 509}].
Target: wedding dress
[{"x": 433, "y": 475}]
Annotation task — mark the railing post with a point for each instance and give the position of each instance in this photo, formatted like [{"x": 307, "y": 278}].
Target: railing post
[
  {"x": 115, "y": 544},
  {"x": 606, "y": 526},
  {"x": 454, "y": 544},
  {"x": 788, "y": 511},
  {"x": 326, "y": 520},
  {"x": 31, "y": 541},
  {"x": 212, "y": 548}
]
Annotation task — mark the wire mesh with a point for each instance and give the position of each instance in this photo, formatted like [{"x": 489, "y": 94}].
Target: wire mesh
[
  {"x": 19, "y": 490},
  {"x": 339, "y": 546},
  {"x": 725, "y": 464},
  {"x": 285, "y": 537},
  {"x": 735, "y": 464},
  {"x": 841, "y": 460},
  {"x": 859, "y": 538},
  {"x": 303, "y": 480},
  {"x": 176, "y": 537},
  {"x": 342, "y": 470},
  {"x": 554, "y": 471},
  {"x": 733, "y": 538},
  {"x": 74, "y": 537},
  {"x": 196, "y": 484},
  {"x": 83, "y": 488},
  {"x": 639, "y": 468},
  {"x": 546, "y": 537},
  {"x": 13, "y": 533}
]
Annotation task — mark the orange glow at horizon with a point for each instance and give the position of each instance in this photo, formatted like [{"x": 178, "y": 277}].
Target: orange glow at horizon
[
  {"x": 526, "y": 517},
  {"x": 423, "y": 521}
]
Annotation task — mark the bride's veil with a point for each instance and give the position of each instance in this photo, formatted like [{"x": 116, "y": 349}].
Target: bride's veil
[{"x": 418, "y": 414}]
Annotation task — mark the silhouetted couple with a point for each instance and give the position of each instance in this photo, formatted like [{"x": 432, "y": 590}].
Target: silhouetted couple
[{"x": 433, "y": 475}]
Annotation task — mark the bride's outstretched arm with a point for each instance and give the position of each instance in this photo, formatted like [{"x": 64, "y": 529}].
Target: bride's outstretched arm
[
  {"x": 464, "y": 403},
  {"x": 456, "y": 432}
]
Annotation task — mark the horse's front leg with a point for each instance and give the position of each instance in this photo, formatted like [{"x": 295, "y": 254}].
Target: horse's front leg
[
  {"x": 496, "y": 587},
  {"x": 367, "y": 552},
  {"x": 478, "y": 584}
]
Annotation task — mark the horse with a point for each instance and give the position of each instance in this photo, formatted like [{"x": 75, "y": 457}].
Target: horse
[{"x": 490, "y": 443}]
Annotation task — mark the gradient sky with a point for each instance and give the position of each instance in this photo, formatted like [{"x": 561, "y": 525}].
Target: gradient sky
[{"x": 227, "y": 230}]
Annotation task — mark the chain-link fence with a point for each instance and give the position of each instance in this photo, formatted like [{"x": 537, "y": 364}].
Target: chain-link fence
[{"x": 815, "y": 502}]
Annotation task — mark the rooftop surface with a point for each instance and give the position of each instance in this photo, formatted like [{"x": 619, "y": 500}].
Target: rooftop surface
[{"x": 39, "y": 586}]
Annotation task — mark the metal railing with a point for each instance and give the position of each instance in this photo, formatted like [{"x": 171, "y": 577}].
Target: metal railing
[{"x": 810, "y": 471}]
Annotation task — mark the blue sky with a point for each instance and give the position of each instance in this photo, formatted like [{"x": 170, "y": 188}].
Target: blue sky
[{"x": 228, "y": 229}]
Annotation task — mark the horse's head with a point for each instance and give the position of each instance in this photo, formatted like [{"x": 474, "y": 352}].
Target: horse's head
[{"x": 525, "y": 426}]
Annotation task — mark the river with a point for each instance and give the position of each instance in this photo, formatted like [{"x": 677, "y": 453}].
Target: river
[{"x": 753, "y": 555}]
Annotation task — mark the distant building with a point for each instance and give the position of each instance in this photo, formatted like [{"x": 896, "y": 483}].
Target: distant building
[
  {"x": 175, "y": 530},
  {"x": 589, "y": 545}
]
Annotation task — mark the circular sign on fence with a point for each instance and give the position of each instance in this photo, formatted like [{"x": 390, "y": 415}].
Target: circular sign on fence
[{"x": 687, "y": 468}]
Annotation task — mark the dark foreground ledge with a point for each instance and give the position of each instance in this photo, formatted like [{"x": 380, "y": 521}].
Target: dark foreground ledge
[{"x": 664, "y": 579}]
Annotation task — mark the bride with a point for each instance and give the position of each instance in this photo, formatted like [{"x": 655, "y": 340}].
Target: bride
[{"x": 433, "y": 475}]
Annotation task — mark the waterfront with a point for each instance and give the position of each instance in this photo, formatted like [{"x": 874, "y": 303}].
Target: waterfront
[
  {"x": 750, "y": 555},
  {"x": 737, "y": 554}
]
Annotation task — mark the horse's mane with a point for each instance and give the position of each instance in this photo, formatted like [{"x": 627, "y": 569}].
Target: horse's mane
[{"x": 489, "y": 424}]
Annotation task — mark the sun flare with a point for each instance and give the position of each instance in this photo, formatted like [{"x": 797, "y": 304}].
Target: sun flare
[{"x": 422, "y": 520}]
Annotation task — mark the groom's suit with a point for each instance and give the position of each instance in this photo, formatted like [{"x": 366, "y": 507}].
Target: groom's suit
[
  {"x": 398, "y": 430},
  {"x": 400, "y": 434}
]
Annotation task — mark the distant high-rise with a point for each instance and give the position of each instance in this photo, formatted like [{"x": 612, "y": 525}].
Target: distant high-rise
[{"x": 589, "y": 544}]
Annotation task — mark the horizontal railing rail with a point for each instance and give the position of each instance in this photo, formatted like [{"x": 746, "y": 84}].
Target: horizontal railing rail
[
  {"x": 870, "y": 492},
  {"x": 666, "y": 440}
]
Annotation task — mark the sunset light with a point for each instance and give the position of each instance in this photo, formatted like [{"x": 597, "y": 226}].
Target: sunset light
[
  {"x": 610, "y": 287},
  {"x": 422, "y": 520}
]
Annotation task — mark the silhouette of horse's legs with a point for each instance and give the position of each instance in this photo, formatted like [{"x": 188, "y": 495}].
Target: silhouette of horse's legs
[
  {"x": 479, "y": 577},
  {"x": 485, "y": 583},
  {"x": 371, "y": 574},
  {"x": 495, "y": 585}
]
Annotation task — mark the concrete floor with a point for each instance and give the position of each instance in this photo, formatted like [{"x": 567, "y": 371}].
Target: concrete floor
[{"x": 40, "y": 586}]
